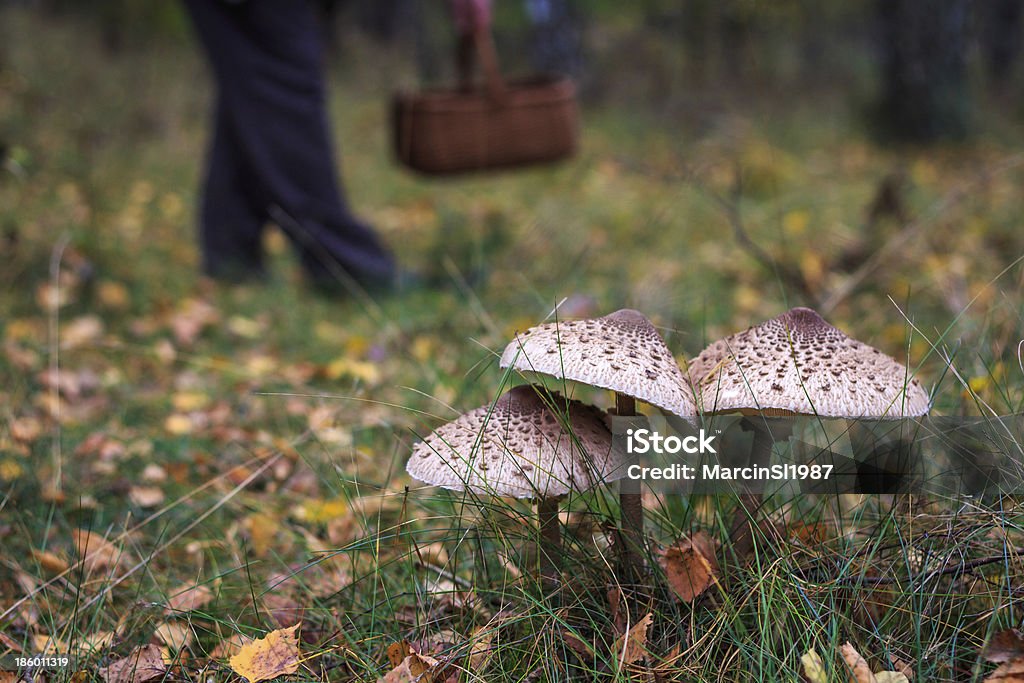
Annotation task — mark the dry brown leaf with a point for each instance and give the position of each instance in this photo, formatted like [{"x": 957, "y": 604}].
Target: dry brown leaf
[
  {"x": 1004, "y": 646},
  {"x": 633, "y": 645},
  {"x": 814, "y": 668},
  {"x": 229, "y": 646},
  {"x": 690, "y": 566},
  {"x": 481, "y": 652},
  {"x": 413, "y": 669},
  {"x": 51, "y": 562},
  {"x": 397, "y": 652},
  {"x": 276, "y": 654},
  {"x": 146, "y": 496},
  {"x": 1009, "y": 672},
  {"x": 187, "y": 599},
  {"x": 174, "y": 634},
  {"x": 283, "y": 609},
  {"x": 97, "y": 553},
  {"x": 26, "y": 429},
  {"x": 859, "y": 672},
  {"x": 143, "y": 664},
  {"x": 95, "y": 642}
]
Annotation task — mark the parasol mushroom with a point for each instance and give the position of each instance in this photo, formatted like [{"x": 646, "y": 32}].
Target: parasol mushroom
[
  {"x": 529, "y": 444},
  {"x": 798, "y": 364},
  {"x": 622, "y": 352}
]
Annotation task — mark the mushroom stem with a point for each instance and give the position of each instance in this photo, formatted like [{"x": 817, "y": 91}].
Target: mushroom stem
[
  {"x": 550, "y": 538},
  {"x": 631, "y": 507}
]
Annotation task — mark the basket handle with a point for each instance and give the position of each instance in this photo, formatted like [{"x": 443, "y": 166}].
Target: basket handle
[{"x": 479, "y": 46}]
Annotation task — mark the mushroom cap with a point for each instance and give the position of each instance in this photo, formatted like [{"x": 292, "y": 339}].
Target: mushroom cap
[
  {"x": 621, "y": 351},
  {"x": 799, "y": 364},
  {"x": 520, "y": 447}
]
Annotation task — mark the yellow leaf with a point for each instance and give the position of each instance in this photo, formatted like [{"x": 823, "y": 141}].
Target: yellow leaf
[
  {"x": 795, "y": 223},
  {"x": 891, "y": 677},
  {"x": 10, "y": 470},
  {"x": 632, "y": 645},
  {"x": 187, "y": 401},
  {"x": 814, "y": 668},
  {"x": 178, "y": 424},
  {"x": 276, "y": 654},
  {"x": 363, "y": 371}
]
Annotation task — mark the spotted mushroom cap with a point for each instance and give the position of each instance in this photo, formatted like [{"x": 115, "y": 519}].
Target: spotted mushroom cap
[
  {"x": 621, "y": 351},
  {"x": 520, "y": 448},
  {"x": 799, "y": 364}
]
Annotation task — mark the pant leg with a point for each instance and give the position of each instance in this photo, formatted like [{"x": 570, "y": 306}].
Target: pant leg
[
  {"x": 231, "y": 218},
  {"x": 267, "y": 57}
]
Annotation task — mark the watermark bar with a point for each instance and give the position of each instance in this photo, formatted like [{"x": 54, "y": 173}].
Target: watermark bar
[{"x": 944, "y": 456}]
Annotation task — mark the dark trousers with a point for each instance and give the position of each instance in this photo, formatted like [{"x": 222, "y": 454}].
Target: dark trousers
[{"x": 270, "y": 157}]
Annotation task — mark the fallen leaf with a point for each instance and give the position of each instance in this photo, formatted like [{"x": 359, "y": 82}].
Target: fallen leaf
[
  {"x": 814, "y": 668},
  {"x": 113, "y": 295},
  {"x": 82, "y": 331},
  {"x": 229, "y": 646},
  {"x": 860, "y": 672},
  {"x": 891, "y": 677},
  {"x": 146, "y": 496},
  {"x": 1010, "y": 672},
  {"x": 178, "y": 424},
  {"x": 96, "y": 552},
  {"x": 632, "y": 646},
  {"x": 397, "y": 652},
  {"x": 276, "y": 654},
  {"x": 174, "y": 635},
  {"x": 143, "y": 664},
  {"x": 1004, "y": 646},
  {"x": 95, "y": 642},
  {"x": 690, "y": 566},
  {"x": 26, "y": 429},
  {"x": 51, "y": 562},
  {"x": 187, "y": 599},
  {"x": 413, "y": 669}
]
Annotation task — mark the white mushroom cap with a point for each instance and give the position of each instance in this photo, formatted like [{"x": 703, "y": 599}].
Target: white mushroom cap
[
  {"x": 799, "y": 364},
  {"x": 519, "y": 447},
  {"x": 622, "y": 352}
]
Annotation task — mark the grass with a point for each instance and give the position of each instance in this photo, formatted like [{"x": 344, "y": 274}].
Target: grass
[{"x": 279, "y": 421}]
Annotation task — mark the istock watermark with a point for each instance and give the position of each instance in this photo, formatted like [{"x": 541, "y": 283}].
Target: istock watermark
[
  {"x": 954, "y": 457},
  {"x": 642, "y": 441}
]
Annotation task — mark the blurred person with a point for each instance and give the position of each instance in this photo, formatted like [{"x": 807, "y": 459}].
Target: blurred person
[{"x": 270, "y": 157}]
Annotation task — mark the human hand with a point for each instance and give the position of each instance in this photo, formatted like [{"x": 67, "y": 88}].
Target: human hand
[{"x": 471, "y": 15}]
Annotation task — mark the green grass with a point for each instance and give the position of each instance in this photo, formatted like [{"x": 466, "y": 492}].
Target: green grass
[{"x": 282, "y": 424}]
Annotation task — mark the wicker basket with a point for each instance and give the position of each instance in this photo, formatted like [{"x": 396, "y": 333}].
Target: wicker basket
[{"x": 498, "y": 124}]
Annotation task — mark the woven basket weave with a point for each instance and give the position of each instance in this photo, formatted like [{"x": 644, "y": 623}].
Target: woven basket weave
[{"x": 497, "y": 124}]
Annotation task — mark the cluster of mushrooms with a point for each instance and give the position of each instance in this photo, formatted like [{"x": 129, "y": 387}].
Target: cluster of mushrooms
[{"x": 534, "y": 443}]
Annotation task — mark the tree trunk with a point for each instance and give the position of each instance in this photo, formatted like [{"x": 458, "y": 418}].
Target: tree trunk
[{"x": 924, "y": 69}]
